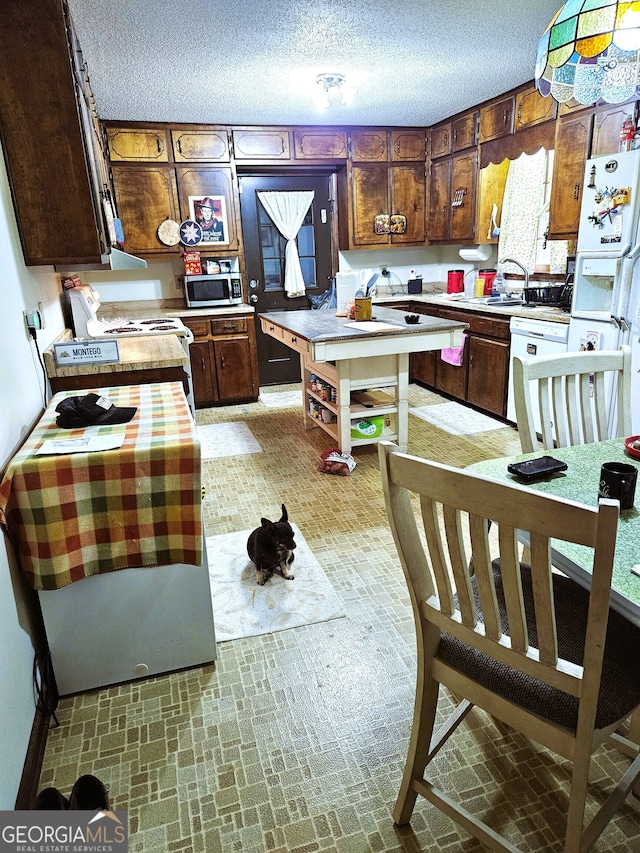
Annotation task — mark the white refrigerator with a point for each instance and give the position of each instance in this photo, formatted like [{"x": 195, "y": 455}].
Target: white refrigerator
[{"x": 606, "y": 292}]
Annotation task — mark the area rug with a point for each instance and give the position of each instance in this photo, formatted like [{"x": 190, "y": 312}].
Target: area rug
[
  {"x": 241, "y": 608},
  {"x": 456, "y": 419},
  {"x": 280, "y": 399},
  {"x": 228, "y": 439}
]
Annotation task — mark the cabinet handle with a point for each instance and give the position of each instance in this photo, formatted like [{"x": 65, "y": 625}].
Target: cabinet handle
[
  {"x": 222, "y": 361},
  {"x": 446, "y": 137},
  {"x": 576, "y": 192},
  {"x": 519, "y": 112},
  {"x": 179, "y": 146},
  {"x": 505, "y": 117},
  {"x": 159, "y": 147},
  {"x": 397, "y": 147},
  {"x": 454, "y": 135},
  {"x": 294, "y": 340},
  {"x": 203, "y": 366}
]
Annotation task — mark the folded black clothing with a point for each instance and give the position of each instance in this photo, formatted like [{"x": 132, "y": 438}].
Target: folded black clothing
[{"x": 91, "y": 410}]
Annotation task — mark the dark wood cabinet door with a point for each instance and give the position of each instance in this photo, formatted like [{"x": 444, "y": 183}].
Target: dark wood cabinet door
[
  {"x": 145, "y": 197},
  {"x": 452, "y": 380},
  {"x": 441, "y": 140},
  {"x": 496, "y": 119},
  {"x": 369, "y": 197},
  {"x": 233, "y": 369},
  {"x": 408, "y": 196},
  {"x": 605, "y": 136},
  {"x": 573, "y": 135},
  {"x": 464, "y": 131},
  {"x": 205, "y": 391},
  {"x": 463, "y": 189},
  {"x": 137, "y": 144},
  {"x": 314, "y": 144},
  {"x": 264, "y": 144},
  {"x": 422, "y": 367},
  {"x": 439, "y": 186},
  {"x": 408, "y": 145},
  {"x": 370, "y": 144},
  {"x": 192, "y": 145},
  {"x": 488, "y": 374},
  {"x": 197, "y": 182},
  {"x": 532, "y": 108}
]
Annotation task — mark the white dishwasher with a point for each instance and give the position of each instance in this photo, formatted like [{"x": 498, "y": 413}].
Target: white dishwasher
[{"x": 533, "y": 337}]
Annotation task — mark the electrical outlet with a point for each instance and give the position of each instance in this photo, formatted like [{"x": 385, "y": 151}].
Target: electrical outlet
[
  {"x": 33, "y": 322},
  {"x": 179, "y": 285}
]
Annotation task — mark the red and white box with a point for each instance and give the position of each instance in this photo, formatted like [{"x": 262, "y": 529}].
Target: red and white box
[{"x": 192, "y": 263}]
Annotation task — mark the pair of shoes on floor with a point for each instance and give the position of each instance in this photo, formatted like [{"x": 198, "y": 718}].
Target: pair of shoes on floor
[{"x": 87, "y": 794}]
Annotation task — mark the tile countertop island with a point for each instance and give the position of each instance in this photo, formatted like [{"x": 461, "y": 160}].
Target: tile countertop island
[{"x": 349, "y": 358}]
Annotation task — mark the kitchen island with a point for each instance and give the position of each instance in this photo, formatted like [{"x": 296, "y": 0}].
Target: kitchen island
[{"x": 342, "y": 361}]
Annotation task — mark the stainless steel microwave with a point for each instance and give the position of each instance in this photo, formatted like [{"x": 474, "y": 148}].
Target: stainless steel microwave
[{"x": 207, "y": 291}]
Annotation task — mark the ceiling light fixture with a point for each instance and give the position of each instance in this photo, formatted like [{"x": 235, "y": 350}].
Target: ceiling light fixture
[
  {"x": 329, "y": 83},
  {"x": 591, "y": 51}
]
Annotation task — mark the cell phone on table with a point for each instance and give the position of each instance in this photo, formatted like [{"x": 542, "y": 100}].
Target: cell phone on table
[{"x": 536, "y": 469}]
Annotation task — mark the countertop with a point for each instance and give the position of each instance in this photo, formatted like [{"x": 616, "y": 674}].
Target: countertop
[
  {"x": 321, "y": 326},
  {"x": 144, "y": 353},
  {"x": 445, "y": 300},
  {"x": 165, "y": 308}
]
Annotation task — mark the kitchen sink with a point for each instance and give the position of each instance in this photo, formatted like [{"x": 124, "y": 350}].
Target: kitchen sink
[{"x": 494, "y": 300}]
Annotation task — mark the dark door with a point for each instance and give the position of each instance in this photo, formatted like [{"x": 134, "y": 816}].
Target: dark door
[{"x": 264, "y": 249}]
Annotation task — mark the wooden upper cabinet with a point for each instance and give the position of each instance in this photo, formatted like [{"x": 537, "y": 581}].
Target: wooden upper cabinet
[
  {"x": 532, "y": 108},
  {"x": 607, "y": 122},
  {"x": 491, "y": 184},
  {"x": 439, "y": 191},
  {"x": 315, "y": 144},
  {"x": 369, "y": 197},
  {"x": 441, "y": 140},
  {"x": 137, "y": 144},
  {"x": 464, "y": 131},
  {"x": 408, "y": 196},
  {"x": 209, "y": 181},
  {"x": 145, "y": 196},
  {"x": 573, "y": 135},
  {"x": 454, "y": 135},
  {"x": 463, "y": 196},
  {"x": 408, "y": 145},
  {"x": 262, "y": 144},
  {"x": 200, "y": 145},
  {"x": 369, "y": 144},
  {"x": 496, "y": 119}
]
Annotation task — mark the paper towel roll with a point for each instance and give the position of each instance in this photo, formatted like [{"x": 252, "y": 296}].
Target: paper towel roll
[{"x": 346, "y": 285}]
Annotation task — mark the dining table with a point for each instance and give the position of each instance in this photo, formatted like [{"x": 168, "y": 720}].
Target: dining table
[{"x": 580, "y": 482}]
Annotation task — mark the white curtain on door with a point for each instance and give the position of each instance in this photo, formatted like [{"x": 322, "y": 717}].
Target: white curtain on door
[{"x": 287, "y": 211}]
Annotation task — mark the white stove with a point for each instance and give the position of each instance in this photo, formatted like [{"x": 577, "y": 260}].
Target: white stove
[{"x": 85, "y": 303}]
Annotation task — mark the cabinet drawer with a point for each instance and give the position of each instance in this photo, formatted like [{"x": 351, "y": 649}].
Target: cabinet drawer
[
  {"x": 296, "y": 343},
  {"x": 200, "y": 328},
  {"x": 228, "y": 326},
  {"x": 488, "y": 326}
]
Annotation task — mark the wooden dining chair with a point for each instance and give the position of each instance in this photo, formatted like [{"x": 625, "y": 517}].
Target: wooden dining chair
[
  {"x": 528, "y": 646},
  {"x": 571, "y": 392}
]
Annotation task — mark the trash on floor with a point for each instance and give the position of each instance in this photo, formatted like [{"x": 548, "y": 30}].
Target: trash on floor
[{"x": 334, "y": 462}]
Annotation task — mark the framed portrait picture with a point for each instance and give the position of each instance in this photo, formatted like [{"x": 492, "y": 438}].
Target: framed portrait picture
[{"x": 210, "y": 213}]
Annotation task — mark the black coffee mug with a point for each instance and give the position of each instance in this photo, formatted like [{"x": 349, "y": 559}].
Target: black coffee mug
[{"x": 618, "y": 481}]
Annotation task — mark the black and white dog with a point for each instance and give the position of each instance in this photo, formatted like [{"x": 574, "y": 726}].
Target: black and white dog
[{"x": 270, "y": 548}]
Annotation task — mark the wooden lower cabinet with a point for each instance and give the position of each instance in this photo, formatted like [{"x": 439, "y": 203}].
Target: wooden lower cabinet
[
  {"x": 488, "y": 374},
  {"x": 224, "y": 364},
  {"x": 482, "y": 378}
]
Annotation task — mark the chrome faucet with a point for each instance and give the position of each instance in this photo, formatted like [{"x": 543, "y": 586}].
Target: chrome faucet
[{"x": 518, "y": 264}]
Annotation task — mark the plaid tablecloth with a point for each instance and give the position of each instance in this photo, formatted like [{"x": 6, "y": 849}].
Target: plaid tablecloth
[{"x": 74, "y": 515}]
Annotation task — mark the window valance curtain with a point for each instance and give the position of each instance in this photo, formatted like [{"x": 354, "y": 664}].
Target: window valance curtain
[{"x": 287, "y": 211}]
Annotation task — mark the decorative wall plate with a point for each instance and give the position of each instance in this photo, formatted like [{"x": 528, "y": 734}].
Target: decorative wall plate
[
  {"x": 169, "y": 232},
  {"x": 190, "y": 233}
]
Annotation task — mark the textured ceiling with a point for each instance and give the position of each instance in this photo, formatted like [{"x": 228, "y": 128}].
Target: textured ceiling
[{"x": 413, "y": 62}]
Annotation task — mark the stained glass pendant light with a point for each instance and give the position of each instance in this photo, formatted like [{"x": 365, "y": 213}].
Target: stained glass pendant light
[{"x": 591, "y": 51}]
